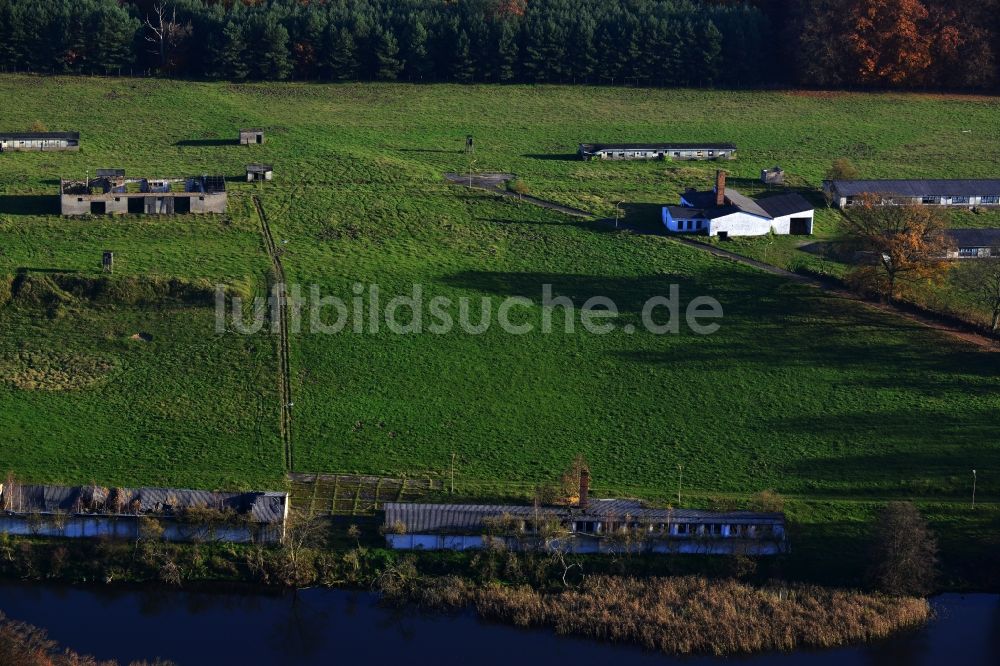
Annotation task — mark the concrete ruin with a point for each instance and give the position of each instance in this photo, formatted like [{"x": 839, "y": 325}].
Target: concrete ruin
[
  {"x": 39, "y": 141},
  {"x": 251, "y": 136},
  {"x": 111, "y": 193},
  {"x": 259, "y": 172}
]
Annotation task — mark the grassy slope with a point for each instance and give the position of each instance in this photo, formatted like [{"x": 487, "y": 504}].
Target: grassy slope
[{"x": 798, "y": 391}]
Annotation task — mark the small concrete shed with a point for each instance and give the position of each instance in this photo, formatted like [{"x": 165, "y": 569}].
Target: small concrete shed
[
  {"x": 258, "y": 172},
  {"x": 251, "y": 136},
  {"x": 774, "y": 176}
]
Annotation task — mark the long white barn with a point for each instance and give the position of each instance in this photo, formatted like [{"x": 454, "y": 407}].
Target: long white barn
[{"x": 726, "y": 213}]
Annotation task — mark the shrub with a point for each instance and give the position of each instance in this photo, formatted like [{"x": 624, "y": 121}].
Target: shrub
[{"x": 517, "y": 186}]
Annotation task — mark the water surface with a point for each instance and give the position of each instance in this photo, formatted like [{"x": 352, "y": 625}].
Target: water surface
[{"x": 322, "y": 626}]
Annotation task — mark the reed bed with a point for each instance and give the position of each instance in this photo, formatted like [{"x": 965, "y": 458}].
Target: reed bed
[{"x": 691, "y": 615}]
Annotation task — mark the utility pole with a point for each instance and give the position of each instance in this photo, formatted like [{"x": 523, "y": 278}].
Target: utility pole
[
  {"x": 453, "y": 473},
  {"x": 680, "y": 476},
  {"x": 973, "y": 489},
  {"x": 618, "y": 212}
]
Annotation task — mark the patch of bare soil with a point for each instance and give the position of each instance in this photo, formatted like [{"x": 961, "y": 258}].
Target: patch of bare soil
[{"x": 141, "y": 336}]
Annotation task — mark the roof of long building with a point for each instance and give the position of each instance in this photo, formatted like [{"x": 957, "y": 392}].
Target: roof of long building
[
  {"x": 434, "y": 517},
  {"x": 975, "y": 237},
  {"x": 594, "y": 147},
  {"x": 30, "y": 136},
  {"x": 919, "y": 187},
  {"x": 263, "y": 507}
]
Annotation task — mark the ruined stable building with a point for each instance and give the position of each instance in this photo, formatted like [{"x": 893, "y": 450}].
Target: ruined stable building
[
  {"x": 657, "y": 151},
  {"x": 184, "y": 515},
  {"x": 257, "y": 172},
  {"x": 39, "y": 141},
  {"x": 110, "y": 193},
  {"x": 251, "y": 136}
]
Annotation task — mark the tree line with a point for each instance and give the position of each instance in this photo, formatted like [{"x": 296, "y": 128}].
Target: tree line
[{"x": 742, "y": 43}]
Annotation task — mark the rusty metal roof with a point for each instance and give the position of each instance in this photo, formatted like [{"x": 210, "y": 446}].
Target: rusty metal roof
[
  {"x": 263, "y": 507},
  {"x": 460, "y": 517}
]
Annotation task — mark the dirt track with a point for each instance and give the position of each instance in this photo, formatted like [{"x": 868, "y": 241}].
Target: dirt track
[{"x": 284, "y": 368}]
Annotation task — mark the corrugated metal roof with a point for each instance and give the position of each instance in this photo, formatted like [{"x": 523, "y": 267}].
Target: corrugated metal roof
[
  {"x": 919, "y": 188},
  {"x": 264, "y": 507},
  {"x": 423, "y": 518}
]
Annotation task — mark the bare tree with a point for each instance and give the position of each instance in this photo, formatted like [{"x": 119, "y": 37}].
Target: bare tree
[
  {"x": 981, "y": 280},
  {"x": 904, "y": 551},
  {"x": 165, "y": 33}
]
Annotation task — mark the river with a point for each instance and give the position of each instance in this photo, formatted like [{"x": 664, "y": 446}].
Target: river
[{"x": 319, "y": 626}]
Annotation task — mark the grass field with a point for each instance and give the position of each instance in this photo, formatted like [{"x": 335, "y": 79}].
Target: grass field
[{"x": 816, "y": 397}]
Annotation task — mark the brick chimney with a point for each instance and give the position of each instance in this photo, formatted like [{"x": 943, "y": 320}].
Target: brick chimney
[
  {"x": 584, "y": 487},
  {"x": 720, "y": 188}
]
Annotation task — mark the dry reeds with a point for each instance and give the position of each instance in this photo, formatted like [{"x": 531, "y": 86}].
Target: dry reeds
[{"x": 689, "y": 615}]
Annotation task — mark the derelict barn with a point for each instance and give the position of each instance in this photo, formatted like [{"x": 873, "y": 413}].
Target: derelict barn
[
  {"x": 657, "y": 151},
  {"x": 773, "y": 176},
  {"x": 39, "y": 141},
  {"x": 110, "y": 193},
  {"x": 251, "y": 136},
  {"x": 591, "y": 529},
  {"x": 258, "y": 172},
  {"x": 959, "y": 193},
  {"x": 184, "y": 515}
]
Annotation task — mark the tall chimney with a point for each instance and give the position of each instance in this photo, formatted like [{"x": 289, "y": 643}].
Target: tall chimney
[
  {"x": 720, "y": 188},
  {"x": 584, "y": 487}
]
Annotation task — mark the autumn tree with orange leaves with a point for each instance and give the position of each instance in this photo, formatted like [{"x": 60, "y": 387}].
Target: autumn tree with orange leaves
[
  {"x": 890, "y": 39},
  {"x": 908, "y": 244}
]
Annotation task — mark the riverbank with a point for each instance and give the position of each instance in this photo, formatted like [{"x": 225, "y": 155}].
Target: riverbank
[{"x": 319, "y": 625}]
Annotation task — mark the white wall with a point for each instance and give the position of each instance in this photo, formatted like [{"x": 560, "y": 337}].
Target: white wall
[
  {"x": 742, "y": 224},
  {"x": 673, "y": 225}
]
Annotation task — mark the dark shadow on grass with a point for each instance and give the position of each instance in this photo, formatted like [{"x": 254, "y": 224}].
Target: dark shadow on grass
[
  {"x": 207, "y": 143},
  {"x": 628, "y": 293},
  {"x": 599, "y": 226},
  {"x": 29, "y": 205},
  {"x": 429, "y": 150},
  {"x": 32, "y": 269},
  {"x": 558, "y": 157},
  {"x": 920, "y": 454},
  {"x": 646, "y": 217}
]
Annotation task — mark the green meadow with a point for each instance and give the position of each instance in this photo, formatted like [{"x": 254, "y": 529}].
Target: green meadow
[{"x": 820, "y": 398}]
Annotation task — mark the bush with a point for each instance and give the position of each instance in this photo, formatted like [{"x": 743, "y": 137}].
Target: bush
[
  {"x": 6, "y": 289},
  {"x": 517, "y": 186}
]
